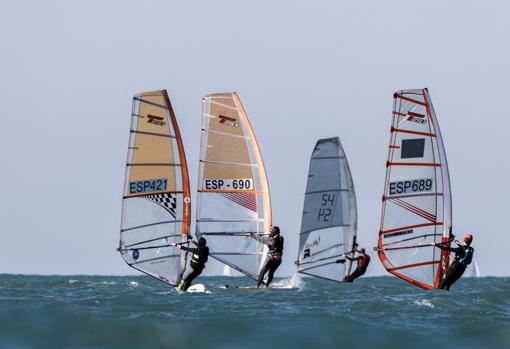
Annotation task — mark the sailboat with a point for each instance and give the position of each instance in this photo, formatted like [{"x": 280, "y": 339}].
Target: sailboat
[
  {"x": 156, "y": 197},
  {"x": 416, "y": 202},
  {"x": 329, "y": 220},
  {"x": 233, "y": 202}
]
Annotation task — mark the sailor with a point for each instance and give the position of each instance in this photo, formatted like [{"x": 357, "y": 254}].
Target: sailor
[
  {"x": 274, "y": 256},
  {"x": 463, "y": 257},
  {"x": 363, "y": 261},
  {"x": 199, "y": 257}
]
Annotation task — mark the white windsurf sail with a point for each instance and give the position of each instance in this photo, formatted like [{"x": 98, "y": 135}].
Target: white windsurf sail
[
  {"x": 156, "y": 201},
  {"x": 233, "y": 192},
  {"x": 416, "y": 203},
  {"x": 329, "y": 221}
]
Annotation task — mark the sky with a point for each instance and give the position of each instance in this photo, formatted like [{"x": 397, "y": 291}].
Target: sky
[{"x": 303, "y": 69}]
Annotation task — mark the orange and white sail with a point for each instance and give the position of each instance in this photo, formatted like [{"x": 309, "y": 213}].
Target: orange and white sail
[
  {"x": 416, "y": 203},
  {"x": 156, "y": 200},
  {"x": 233, "y": 192}
]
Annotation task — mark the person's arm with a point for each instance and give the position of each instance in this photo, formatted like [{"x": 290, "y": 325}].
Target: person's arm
[
  {"x": 352, "y": 259},
  {"x": 188, "y": 249},
  {"x": 449, "y": 249},
  {"x": 264, "y": 239}
]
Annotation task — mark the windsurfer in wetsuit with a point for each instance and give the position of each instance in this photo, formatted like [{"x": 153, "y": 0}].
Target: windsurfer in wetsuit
[
  {"x": 274, "y": 256},
  {"x": 363, "y": 261},
  {"x": 199, "y": 257},
  {"x": 463, "y": 257}
]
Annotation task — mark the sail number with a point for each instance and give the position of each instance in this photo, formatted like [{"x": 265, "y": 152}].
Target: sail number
[
  {"x": 411, "y": 186},
  {"x": 147, "y": 186},
  {"x": 326, "y": 208},
  {"x": 228, "y": 184}
]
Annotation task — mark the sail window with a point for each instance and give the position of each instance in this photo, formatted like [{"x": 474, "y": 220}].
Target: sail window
[{"x": 412, "y": 148}]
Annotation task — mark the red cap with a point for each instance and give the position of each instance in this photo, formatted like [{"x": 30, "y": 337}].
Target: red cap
[{"x": 468, "y": 237}]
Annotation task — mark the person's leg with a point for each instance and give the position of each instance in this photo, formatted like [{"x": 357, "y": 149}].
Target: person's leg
[
  {"x": 191, "y": 277},
  {"x": 449, "y": 276},
  {"x": 272, "y": 268},
  {"x": 456, "y": 276},
  {"x": 356, "y": 273},
  {"x": 263, "y": 272},
  {"x": 187, "y": 273}
]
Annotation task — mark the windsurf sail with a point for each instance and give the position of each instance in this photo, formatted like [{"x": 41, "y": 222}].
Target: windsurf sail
[
  {"x": 233, "y": 192},
  {"x": 156, "y": 201},
  {"x": 329, "y": 221},
  {"x": 416, "y": 203}
]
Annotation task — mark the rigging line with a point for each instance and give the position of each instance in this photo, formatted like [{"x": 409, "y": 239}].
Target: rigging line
[
  {"x": 325, "y": 249},
  {"x": 411, "y": 195},
  {"x": 207, "y": 220},
  {"x": 235, "y": 254},
  {"x": 153, "y": 134},
  {"x": 149, "y": 102},
  {"x": 228, "y": 163},
  {"x": 318, "y": 276},
  {"x": 153, "y": 164},
  {"x": 325, "y": 191},
  {"x": 326, "y": 157},
  {"x": 233, "y": 234},
  {"x": 318, "y": 266},
  {"x": 150, "y": 247},
  {"x": 154, "y": 259},
  {"x": 329, "y": 226},
  {"x": 323, "y": 259},
  {"x": 410, "y": 239},
  {"x": 150, "y": 225},
  {"x": 155, "y": 239},
  {"x": 224, "y": 133},
  {"x": 402, "y": 247},
  {"x": 222, "y": 105}
]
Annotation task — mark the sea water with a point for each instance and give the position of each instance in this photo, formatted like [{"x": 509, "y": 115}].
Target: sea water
[{"x": 140, "y": 312}]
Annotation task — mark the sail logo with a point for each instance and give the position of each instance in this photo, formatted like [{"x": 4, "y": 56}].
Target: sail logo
[
  {"x": 227, "y": 120},
  {"x": 416, "y": 117},
  {"x": 314, "y": 243},
  {"x": 156, "y": 120}
]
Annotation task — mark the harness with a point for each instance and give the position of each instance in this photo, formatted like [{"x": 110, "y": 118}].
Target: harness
[
  {"x": 276, "y": 249},
  {"x": 467, "y": 258}
]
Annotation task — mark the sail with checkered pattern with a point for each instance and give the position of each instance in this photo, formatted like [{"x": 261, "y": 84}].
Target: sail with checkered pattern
[
  {"x": 156, "y": 199},
  {"x": 233, "y": 192}
]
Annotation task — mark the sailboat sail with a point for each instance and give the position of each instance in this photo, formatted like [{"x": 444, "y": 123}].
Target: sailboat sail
[
  {"x": 417, "y": 206},
  {"x": 156, "y": 201},
  {"x": 233, "y": 192},
  {"x": 329, "y": 221}
]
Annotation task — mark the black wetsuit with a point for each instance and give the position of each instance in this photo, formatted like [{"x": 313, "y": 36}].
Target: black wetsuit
[
  {"x": 361, "y": 268},
  {"x": 273, "y": 258},
  {"x": 198, "y": 259},
  {"x": 463, "y": 257}
]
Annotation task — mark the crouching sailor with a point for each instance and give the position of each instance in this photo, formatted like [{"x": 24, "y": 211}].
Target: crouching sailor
[
  {"x": 199, "y": 257},
  {"x": 463, "y": 257},
  {"x": 363, "y": 260},
  {"x": 274, "y": 256}
]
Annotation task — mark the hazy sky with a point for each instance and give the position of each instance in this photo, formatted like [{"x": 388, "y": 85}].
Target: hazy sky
[{"x": 303, "y": 69}]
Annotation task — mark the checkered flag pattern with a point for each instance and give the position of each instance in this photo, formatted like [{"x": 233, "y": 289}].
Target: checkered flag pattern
[{"x": 166, "y": 200}]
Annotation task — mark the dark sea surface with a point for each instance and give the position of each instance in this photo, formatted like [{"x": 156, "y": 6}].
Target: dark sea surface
[{"x": 139, "y": 312}]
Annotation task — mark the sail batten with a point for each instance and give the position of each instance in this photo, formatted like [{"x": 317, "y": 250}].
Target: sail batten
[
  {"x": 329, "y": 220},
  {"x": 416, "y": 205},
  {"x": 156, "y": 200},
  {"x": 233, "y": 193}
]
